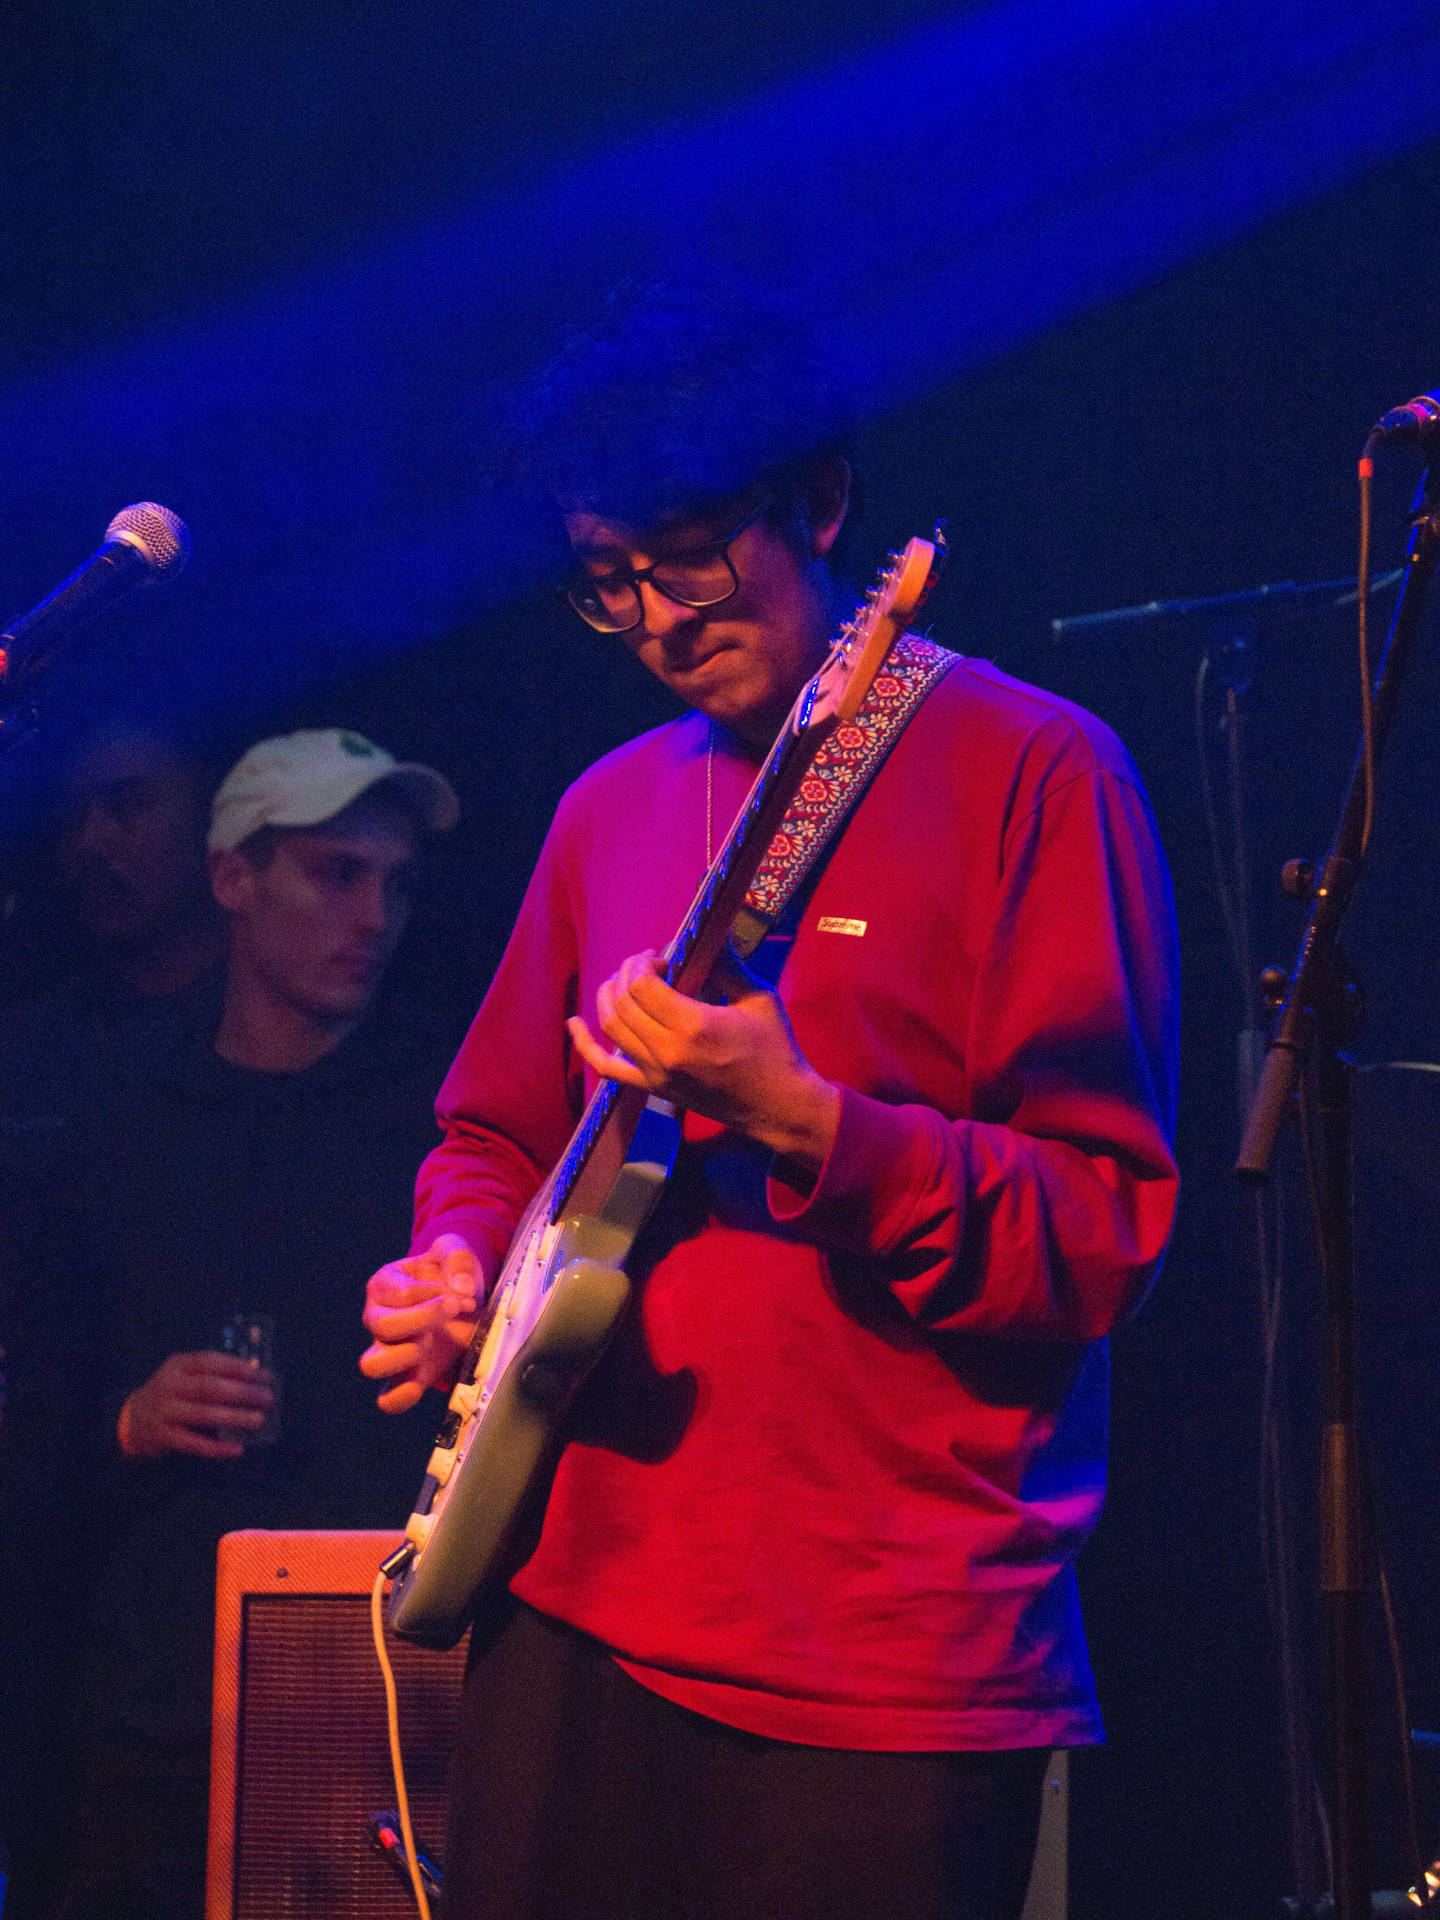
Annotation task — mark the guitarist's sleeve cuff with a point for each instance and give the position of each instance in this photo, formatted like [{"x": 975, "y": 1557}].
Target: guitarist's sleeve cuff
[
  {"x": 884, "y": 1162},
  {"x": 480, "y": 1232}
]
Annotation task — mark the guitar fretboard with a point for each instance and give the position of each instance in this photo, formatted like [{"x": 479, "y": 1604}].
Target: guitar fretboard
[{"x": 738, "y": 845}]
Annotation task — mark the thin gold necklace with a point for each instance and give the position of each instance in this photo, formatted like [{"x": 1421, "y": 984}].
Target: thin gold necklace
[{"x": 709, "y": 792}]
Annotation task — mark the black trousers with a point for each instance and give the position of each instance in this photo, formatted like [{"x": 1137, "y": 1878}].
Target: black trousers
[{"x": 577, "y": 1794}]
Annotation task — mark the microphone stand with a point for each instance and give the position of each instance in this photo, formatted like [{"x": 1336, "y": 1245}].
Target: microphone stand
[
  {"x": 1317, "y": 1017},
  {"x": 1230, "y": 629},
  {"x": 1230, "y": 623},
  {"x": 1230, "y": 641},
  {"x": 1281, "y": 596}
]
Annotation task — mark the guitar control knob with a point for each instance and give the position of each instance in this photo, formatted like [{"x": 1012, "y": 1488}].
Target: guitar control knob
[{"x": 545, "y": 1386}]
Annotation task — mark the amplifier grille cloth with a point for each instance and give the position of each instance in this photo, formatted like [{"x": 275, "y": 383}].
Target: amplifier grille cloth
[{"x": 315, "y": 1763}]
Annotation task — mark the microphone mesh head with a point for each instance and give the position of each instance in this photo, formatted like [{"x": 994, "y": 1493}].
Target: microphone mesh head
[{"x": 157, "y": 535}]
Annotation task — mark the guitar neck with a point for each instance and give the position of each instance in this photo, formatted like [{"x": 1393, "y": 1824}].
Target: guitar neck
[
  {"x": 692, "y": 954},
  {"x": 697, "y": 946}
]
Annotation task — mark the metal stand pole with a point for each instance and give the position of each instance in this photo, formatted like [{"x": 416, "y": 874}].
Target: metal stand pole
[
  {"x": 1317, "y": 1017},
  {"x": 1229, "y": 650},
  {"x": 1342, "y": 1550}
]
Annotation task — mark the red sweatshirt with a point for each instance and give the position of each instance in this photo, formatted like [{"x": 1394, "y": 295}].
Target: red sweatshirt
[{"x": 828, "y": 1483}]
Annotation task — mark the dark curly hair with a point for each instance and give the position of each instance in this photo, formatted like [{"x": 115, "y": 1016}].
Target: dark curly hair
[{"x": 692, "y": 389}]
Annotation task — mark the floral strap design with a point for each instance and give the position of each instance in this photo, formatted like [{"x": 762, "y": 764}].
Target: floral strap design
[{"x": 839, "y": 774}]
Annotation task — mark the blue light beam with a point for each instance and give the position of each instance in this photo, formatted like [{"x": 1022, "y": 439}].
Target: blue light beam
[{"x": 946, "y": 197}]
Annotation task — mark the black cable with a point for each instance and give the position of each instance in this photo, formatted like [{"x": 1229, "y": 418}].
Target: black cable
[
  {"x": 1230, "y": 908},
  {"x": 1306, "y": 1103},
  {"x": 1362, "y": 621}
]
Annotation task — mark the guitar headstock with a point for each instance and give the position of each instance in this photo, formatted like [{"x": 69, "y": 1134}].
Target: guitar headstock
[{"x": 881, "y": 618}]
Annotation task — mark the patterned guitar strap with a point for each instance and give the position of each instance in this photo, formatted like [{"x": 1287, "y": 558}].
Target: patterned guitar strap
[{"x": 836, "y": 783}]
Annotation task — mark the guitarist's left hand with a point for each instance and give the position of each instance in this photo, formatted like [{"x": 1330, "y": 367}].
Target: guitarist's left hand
[{"x": 737, "y": 1062}]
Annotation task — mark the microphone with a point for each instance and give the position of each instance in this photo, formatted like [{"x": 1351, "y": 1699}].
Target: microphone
[
  {"x": 1416, "y": 423},
  {"x": 143, "y": 544}
]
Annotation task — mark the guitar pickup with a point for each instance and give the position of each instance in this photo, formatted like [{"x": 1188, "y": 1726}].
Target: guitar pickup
[
  {"x": 419, "y": 1529},
  {"x": 440, "y": 1466}
]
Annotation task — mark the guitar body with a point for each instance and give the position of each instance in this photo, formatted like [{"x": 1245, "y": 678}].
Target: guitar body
[
  {"x": 564, "y": 1288},
  {"x": 559, "y": 1299}
]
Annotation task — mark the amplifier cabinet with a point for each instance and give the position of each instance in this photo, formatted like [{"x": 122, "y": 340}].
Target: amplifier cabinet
[{"x": 299, "y": 1752}]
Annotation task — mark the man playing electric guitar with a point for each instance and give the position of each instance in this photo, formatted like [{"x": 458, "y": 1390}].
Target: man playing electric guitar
[{"x": 798, "y": 1627}]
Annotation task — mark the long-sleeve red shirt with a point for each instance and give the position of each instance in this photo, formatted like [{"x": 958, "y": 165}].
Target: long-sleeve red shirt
[{"x": 828, "y": 1483}]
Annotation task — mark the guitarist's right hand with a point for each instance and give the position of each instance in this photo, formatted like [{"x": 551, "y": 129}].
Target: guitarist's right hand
[{"x": 422, "y": 1311}]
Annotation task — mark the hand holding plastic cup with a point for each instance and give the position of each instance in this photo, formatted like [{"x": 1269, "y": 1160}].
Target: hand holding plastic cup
[{"x": 251, "y": 1337}]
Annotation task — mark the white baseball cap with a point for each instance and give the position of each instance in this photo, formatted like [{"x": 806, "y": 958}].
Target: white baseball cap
[{"x": 300, "y": 779}]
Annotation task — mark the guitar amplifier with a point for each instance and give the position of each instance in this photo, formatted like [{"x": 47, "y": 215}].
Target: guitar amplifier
[{"x": 300, "y": 1756}]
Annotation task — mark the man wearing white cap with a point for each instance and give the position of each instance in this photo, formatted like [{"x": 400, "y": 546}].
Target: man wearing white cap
[
  {"x": 303, "y": 779},
  {"x": 312, "y": 846},
  {"x": 250, "y": 1178},
  {"x": 313, "y": 838}
]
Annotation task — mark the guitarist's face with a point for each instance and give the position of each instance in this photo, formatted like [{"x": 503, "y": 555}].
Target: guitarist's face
[{"x": 741, "y": 662}]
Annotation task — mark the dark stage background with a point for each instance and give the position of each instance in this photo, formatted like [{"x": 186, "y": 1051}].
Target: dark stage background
[{"x": 214, "y": 297}]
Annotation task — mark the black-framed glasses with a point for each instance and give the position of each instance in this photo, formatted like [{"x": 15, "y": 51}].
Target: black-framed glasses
[{"x": 698, "y": 577}]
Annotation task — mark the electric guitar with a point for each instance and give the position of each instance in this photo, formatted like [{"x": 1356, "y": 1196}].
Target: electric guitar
[{"x": 563, "y": 1288}]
